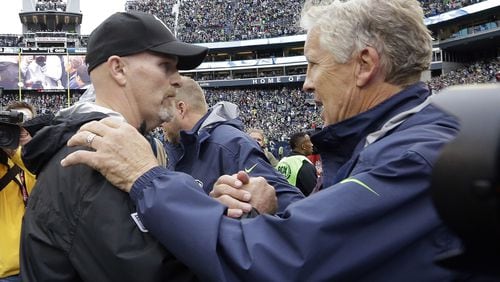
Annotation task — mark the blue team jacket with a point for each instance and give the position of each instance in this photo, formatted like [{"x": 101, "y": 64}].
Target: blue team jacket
[
  {"x": 375, "y": 222},
  {"x": 216, "y": 145}
]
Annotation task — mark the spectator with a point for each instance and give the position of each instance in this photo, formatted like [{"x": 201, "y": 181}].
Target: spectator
[
  {"x": 258, "y": 135},
  {"x": 16, "y": 184},
  {"x": 297, "y": 168},
  {"x": 82, "y": 77},
  {"x": 74, "y": 62},
  {"x": 9, "y": 72}
]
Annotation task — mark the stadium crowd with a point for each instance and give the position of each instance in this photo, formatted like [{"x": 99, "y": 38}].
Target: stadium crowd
[
  {"x": 267, "y": 108},
  {"x": 51, "y": 5},
  {"x": 280, "y": 111},
  {"x": 435, "y": 7},
  {"x": 226, "y": 20},
  {"x": 10, "y": 40},
  {"x": 216, "y": 21},
  {"x": 475, "y": 73},
  {"x": 43, "y": 103}
]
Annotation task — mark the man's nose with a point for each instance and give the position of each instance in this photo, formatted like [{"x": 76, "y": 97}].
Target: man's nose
[
  {"x": 308, "y": 85},
  {"x": 175, "y": 80}
]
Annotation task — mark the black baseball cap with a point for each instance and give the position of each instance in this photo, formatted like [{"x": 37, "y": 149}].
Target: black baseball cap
[{"x": 128, "y": 33}]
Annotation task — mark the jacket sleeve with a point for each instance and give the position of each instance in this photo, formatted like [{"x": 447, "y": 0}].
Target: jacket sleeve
[{"x": 338, "y": 234}]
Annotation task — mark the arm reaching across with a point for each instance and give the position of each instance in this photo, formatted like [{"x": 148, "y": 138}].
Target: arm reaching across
[{"x": 122, "y": 155}]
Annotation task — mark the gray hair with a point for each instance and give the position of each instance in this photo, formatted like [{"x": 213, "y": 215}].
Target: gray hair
[{"x": 395, "y": 28}]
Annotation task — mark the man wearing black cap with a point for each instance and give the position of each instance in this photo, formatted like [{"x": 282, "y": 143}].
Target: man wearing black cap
[{"x": 77, "y": 227}]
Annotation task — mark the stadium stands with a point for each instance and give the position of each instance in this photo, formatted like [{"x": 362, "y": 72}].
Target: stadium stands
[
  {"x": 478, "y": 72},
  {"x": 215, "y": 21},
  {"x": 276, "y": 109},
  {"x": 436, "y": 7},
  {"x": 10, "y": 40}
]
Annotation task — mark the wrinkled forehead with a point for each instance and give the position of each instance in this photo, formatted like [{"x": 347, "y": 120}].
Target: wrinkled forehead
[{"x": 312, "y": 45}]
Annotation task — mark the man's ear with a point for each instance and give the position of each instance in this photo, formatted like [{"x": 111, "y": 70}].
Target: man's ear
[
  {"x": 368, "y": 63},
  {"x": 182, "y": 108},
  {"x": 116, "y": 67}
]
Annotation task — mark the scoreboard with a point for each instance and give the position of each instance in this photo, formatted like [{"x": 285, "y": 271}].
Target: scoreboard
[{"x": 42, "y": 50}]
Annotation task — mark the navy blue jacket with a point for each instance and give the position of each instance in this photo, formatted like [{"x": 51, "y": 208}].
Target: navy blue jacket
[
  {"x": 216, "y": 145},
  {"x": 375, "y": 222}
]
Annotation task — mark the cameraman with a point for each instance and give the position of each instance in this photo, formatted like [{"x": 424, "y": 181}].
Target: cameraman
[{"x": 15, "y": 186}]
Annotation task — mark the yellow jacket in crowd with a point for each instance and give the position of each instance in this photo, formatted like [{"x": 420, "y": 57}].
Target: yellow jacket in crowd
[{"x": 11, "y": 214}]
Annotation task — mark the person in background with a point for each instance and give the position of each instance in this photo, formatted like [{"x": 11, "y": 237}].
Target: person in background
[
  {"x": 373, "y": 220},
  {"x": 74, "y": 62},
  {"x": 297, "y": 168},
  {"x": 207, "y": 143},
  {"x": 258, "y": 135},
  {"x": 82, "y": 77},
  {"x": 16, "y": 184},
  {"x": 77, "y": 227},
  {"x": 9, "y": 72}
]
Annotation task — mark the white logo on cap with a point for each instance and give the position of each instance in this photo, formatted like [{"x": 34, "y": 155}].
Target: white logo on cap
[{"x": 163, "y": 23}]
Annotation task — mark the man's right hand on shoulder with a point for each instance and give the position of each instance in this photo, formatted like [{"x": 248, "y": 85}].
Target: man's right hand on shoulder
[{"x": 120, "y": 153}]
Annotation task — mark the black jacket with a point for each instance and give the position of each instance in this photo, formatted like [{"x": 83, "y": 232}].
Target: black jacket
[{"x": 78, "y": 227}]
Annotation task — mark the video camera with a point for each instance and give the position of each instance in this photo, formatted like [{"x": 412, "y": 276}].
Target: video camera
[
  {"x": 466, "y": 178},
  {"x": 10, "y": 129}
]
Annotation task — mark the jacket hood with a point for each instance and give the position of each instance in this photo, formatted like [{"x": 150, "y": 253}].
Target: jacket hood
[
  {"x": 86, "y": 107},
  {"x": 222, "y": 112},
  {"x": 54, "y": 135}
]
